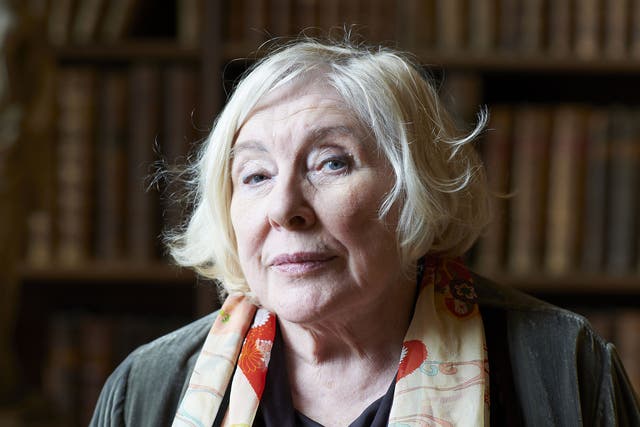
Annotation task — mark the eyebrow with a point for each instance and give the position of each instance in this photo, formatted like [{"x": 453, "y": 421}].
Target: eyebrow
[
  {"x": 323, "y": 132},
  {"x": 315, "y": 135},
  {"x": 249, "y": 145}
]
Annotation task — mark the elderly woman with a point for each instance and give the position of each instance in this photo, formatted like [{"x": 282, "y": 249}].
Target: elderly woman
[{"x": 333, "y": 203}]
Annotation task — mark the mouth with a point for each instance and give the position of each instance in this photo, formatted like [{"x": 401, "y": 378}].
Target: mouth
[{"x": 300, "y": 262}]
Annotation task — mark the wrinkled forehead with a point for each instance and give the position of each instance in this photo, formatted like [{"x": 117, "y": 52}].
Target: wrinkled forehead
[{"x": 307, "y": 91}]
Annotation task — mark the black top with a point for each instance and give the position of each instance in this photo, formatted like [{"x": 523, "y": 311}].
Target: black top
[{"x": 276, "y": 407}]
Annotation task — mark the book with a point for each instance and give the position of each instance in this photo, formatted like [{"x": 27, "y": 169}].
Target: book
[
  {"x": 180, "y": 101},
  {"x": 528, "y": 205},
  {"x": 255, "y": 22},
  {"x": 588, "y": 29},
  {"x": 415, "y": 20},
  {"x": 111, "y": 185},
  {"x": 39, "y": 238},
  {"x": 450, "y": 25},
  {"x": 61, "y": 372},
  {"x": 86, "y": 20},
  {"x": 483, "y": 24},
  {"x": 627, "y": 340},
  {"x": 623, "y": 192},
  {"x": 142, "y": 227},
  {"x": 76, "y": 103},
  {"x": 634, "y": 28},
  {"x": 189, "y": 22},
  {"x": 118, "y": 18},
  {"x": 509, "y": 25},
  {"x": 59, "y": 23},
  {"x": 532, "y": 22},
  {"x": 595, "y": 195},
  {"x": 497, "y": 149},
  {"x": 305, "y": 15},
  {"x": 95, "y": 343},
  {"x": 566, "y": 177},
  {"x": 280, "y": 18},
  {"x": 461, "y": 92},
  {"x": 616, "y": 27},
  {"x": 560, "y": 25},
  {"x": 602, "y": 321}
]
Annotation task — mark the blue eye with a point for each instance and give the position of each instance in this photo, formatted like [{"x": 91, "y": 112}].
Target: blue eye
[
  {"x": 335, "y": 164},
  {"x": 254, "y": 179}
]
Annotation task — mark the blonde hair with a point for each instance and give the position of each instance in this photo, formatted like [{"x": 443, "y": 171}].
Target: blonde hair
[{"x": 440, "y": 184}]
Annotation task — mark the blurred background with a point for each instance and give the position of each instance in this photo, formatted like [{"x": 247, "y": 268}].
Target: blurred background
[{"x": 97, "y": 96}]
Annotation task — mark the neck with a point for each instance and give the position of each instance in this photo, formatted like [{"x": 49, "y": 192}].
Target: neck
[{"x": 371, "y": 335}]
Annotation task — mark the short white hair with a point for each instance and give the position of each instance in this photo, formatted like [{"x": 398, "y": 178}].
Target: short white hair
[{"x": 440, "y": 185}]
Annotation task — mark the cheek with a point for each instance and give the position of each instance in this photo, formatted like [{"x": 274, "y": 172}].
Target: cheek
[{"x": 244, "y": 225}]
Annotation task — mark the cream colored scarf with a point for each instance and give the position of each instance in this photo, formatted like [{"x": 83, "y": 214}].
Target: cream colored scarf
[{"x": 443, "y": 374}]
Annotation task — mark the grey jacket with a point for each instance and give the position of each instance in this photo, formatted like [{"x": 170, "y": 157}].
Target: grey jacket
[{"x": 547, "y": 368}]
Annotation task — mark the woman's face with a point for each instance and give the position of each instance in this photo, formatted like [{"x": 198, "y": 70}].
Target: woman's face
[{"x": 307, "y": 186}]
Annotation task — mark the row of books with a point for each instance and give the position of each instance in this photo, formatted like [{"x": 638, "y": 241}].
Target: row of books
[
  {"x": 80, "y": 22},
  {"x": 569, "y": 181},
  {"x": 83, "y": 350},
  {"x": 113, "y": 126},
  {"x": 586, "y": 29}
]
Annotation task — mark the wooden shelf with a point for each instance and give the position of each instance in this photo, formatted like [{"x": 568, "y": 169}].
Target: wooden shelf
[
  {"x": 112, "y": 272},
  {"x": 487, "y": 62},
  {"x": 126, "y": 52},
  {"x": 575, "y": 283}
]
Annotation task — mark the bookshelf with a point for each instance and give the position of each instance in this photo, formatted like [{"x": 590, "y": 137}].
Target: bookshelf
[{"x": 512, "y": 55}]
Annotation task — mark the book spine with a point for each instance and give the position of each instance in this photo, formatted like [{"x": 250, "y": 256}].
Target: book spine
[
  {"x": 142, "y": 220},
  {"x": 59, "y": 23},
  {"x": 85, "y": 22},
  {"x": 482, "y": 25},
  {"x": 74, "y": 180},
  {"x": 306, "y": 15},
  {"x": 588, "y": 38},
  {"x": 559, "y": 28},
  {"x": 497, "y": 151},
  {"x": 530, "y": 165},
  {"x": 567, "y": 158},
  {"x": 533, "y": 23},
  {"x": 416, "y": 23},
  {"x": 634, "y": 29},
  {"x": 280, "y": 18},
  {"x": 616, "y": 26},
  {"x": 623, "y": 190},
  {"x": 118, "y": 18},
  {"x": 255, "y": 15},
  {"x": 595, "y": 201},
  {"x": 509, "y": 25},
  {"x": 180, "y": 99},
  {"x": 450, "y": 24},
  {"x": 189, "y": 22},
  {"x": 111, "y": 169},
  {"x": 627, "y": 340}
]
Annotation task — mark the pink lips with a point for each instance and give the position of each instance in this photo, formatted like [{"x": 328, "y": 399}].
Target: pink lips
[{"x": 300, "y": 262}]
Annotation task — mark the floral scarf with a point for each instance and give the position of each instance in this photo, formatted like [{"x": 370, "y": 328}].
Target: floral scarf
[{"x": 443, "y": 373}]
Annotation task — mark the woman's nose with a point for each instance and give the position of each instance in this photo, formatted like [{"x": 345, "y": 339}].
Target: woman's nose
[{"x": 289, "y": 207}]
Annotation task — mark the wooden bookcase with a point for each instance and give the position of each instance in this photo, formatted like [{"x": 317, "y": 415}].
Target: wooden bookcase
[{"x": 505, "y": 67}]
